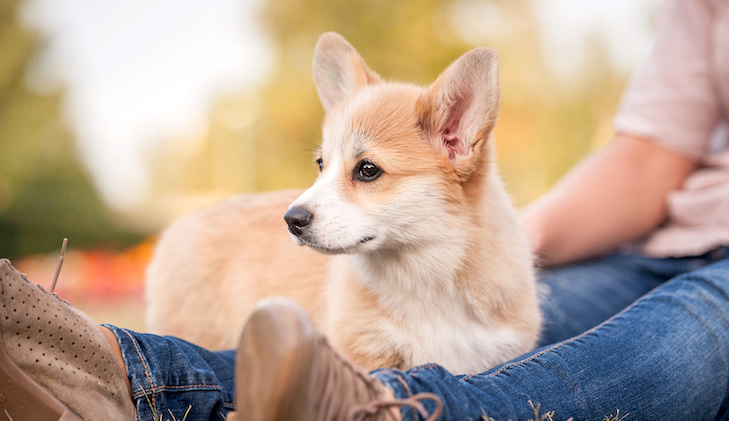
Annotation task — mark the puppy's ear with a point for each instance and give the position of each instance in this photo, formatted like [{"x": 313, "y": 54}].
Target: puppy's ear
[
  {"x": 338, "y": 70},
  {"x": 459, "y": 110}
]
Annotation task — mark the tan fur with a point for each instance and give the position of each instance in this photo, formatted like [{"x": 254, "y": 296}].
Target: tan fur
[
  {"x": 429, "y": 263},
  {"x": 210, "y": 269}
]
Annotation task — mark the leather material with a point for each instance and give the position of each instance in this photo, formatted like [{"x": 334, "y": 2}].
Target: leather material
[{"x": 61, "y": 349}]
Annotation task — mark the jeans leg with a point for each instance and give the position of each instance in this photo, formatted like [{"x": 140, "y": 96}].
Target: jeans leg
[
  {"x": 170, "y": 377},
  {"x": 664, "y": 357},
  {"x": 578, "y": 297}
]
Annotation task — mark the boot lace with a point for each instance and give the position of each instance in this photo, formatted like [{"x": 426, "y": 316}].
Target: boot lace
[
  {"x": 347, "y": 393},
  {"x": 363, "y": 412}
]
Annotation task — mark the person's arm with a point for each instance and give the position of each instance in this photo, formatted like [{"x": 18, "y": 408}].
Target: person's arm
[{"x": 614, "y": 196}]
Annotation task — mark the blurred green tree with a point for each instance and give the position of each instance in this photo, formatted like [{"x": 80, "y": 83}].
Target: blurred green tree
[
  {"x": 264, "y": 140},
  {"x": 45, "y": 192}
]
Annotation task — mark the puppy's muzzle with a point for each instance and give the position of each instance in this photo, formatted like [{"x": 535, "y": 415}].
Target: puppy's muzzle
[{"x": 298, "y": 218}]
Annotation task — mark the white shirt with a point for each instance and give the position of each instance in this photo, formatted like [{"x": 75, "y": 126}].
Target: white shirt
[{"x": 680, "y": 99}]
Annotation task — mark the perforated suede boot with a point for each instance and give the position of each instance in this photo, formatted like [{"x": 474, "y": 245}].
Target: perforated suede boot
[
  {"x": 55, "y": 363},
  {"x": 286, "y": 370}
]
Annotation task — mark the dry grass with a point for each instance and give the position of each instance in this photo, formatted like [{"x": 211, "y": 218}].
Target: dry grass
[
  {"x": 158, "y": 417},
  {"x": 549, "y": 416}
]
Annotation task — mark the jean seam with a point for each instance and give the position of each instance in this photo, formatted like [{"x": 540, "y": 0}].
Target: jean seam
[
  {"x": 209, "y": 387},
  {"x": 422, "y": 367},
  {"x": 146, "y": 368},
  {"x": 552, "y": 348}
]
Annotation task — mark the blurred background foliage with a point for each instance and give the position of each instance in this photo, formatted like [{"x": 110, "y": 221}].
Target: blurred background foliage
[
  {"x": 45, "y": 191},
  {"x": 263, "y": 138}
]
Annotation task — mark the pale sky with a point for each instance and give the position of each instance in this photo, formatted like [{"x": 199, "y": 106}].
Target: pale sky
[{"x": 138, "y": 71}]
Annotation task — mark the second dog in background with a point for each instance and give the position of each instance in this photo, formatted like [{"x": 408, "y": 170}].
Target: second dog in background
[{"x": 418, "y": 253}]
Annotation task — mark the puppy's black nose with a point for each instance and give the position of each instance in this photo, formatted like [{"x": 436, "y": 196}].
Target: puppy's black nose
[{"x": 298, "y": 218}]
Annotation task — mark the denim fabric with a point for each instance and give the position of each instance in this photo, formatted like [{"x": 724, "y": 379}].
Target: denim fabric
[
  {"x": 172, "y": 376},
  {"x": 579, "y": 297},
  {"x": 664, "y": 357}
]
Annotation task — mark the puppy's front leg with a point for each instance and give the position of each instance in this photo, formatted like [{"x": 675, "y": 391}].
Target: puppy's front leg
[
  {"x": 371, "y": 350},
  {"x": 386, "y": 360}
]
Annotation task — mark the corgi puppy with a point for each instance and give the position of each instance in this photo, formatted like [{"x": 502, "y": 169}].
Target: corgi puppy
[{"x": 413, "y": 252}]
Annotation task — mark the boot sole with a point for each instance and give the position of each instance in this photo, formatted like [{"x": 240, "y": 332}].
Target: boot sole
[
  {"x": 274, "y": 363},
  {"x": 21, "y": 398}
]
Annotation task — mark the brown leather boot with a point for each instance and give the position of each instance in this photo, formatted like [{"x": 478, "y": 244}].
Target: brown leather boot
[
  {"x": 55, "y": 363},
  {"x": 286, "y": 370}
]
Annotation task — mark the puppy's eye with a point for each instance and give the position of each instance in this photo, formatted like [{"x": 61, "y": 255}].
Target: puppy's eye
[
  {"x": 320, "y": 164},
  {"x": 367, "y": 171}
]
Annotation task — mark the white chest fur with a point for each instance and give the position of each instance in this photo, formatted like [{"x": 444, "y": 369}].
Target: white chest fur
[{"x": 420, "y": 311}]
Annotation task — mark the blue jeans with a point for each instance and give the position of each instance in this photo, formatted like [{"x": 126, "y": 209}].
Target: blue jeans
[
  {"x": 665, "y": 355},
  {"x": 170, "y": 377}
]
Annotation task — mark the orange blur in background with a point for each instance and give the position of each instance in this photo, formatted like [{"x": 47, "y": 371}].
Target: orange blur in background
[{"x": 107, "y": 284}]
